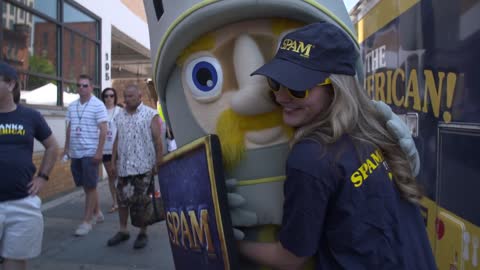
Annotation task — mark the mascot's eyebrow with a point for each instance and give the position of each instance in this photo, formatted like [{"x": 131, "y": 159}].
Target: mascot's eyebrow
[
  {"x": 205, "y": 43},
  {"x": 158, "y": 4}
]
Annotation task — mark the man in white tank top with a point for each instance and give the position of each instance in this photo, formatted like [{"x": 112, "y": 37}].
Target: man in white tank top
[{"x": 137, "y": 153}]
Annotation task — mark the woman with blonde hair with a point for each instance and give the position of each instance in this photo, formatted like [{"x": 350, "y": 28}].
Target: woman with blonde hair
[{"x": 351, "y": 199}]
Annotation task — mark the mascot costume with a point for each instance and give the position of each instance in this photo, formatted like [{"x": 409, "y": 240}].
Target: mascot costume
[{"x": 203, "y": 52}]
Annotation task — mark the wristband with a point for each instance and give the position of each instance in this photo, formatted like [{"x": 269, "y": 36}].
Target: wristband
[{"x": 42, "y": 175}]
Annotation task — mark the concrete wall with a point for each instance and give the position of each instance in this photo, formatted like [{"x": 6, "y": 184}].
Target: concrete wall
[{"x": 115, "y": 13}]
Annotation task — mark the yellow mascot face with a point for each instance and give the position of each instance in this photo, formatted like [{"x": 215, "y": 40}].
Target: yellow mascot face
[{"x": 223, "y": 97}]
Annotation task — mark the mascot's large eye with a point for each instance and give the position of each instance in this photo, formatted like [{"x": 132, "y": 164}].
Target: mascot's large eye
[{"x": 204, "y": 78}]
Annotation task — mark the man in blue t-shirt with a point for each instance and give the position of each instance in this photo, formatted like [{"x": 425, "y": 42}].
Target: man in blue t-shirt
[{"x": 21, "y": 220}]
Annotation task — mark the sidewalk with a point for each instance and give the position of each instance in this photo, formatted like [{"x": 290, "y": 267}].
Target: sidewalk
[{"x": 62, "y": 250}]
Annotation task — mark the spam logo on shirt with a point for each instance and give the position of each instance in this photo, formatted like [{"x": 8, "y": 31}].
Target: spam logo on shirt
[
  {"x": 12, "y": 129},
  {"x": 367, "y": 168},
  {"x": 297, "y": 46}
]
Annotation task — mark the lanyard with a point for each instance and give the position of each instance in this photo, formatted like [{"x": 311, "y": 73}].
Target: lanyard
[
  {"x": 111, "y": 118},
  {"x": 113, "y": 114},
  {"x": 78, "y": 113}
]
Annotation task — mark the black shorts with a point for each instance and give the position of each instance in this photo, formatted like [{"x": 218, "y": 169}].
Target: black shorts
[
  {"x": 84, "y": 172},
  {"x": 106, "y": 158}
]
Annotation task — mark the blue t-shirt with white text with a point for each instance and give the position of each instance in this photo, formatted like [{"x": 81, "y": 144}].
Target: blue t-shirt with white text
[
  {"x": 342, "y": 208},
  {"x": 18, "y": 129}
]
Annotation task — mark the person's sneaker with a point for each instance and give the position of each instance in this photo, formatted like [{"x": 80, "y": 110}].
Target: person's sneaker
[
  {"x": 98, "y": 218},
  {"x": 118, "y": 238},
  {"x": 141, "y": 241},
  {"x": 83, "y": 229}
]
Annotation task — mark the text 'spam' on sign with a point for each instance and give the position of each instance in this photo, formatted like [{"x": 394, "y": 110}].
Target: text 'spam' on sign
[{"x": 190, "y": 229}]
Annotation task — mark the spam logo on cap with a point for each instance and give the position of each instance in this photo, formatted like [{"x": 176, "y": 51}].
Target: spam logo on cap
[{"x": 297, "y": 46}]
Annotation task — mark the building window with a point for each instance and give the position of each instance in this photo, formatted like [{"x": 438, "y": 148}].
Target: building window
[
  {"x": 84, "y": 50},
  {"x": 30, "y": 43},
  {"x": 48, "y": 7},
  {"x": 79, "y": 21},
  {"x": 45, "y": 40},
  {"x": 71, "y": 45}
]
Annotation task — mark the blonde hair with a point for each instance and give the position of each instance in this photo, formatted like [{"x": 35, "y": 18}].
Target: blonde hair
[{"x": 351, "y": 112}]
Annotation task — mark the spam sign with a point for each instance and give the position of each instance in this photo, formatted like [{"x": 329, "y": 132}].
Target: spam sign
[{"x": 196, "y": 210}]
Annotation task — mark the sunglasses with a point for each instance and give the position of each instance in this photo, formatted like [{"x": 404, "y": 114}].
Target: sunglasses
[
  {"x": 275, "y": 87},
  {"x": 109, "y": 96},
  {"x": 82, "y": 85}
]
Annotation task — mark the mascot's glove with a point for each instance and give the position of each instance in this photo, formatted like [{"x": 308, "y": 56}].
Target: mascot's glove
[
  {"x": 240, "y": 217},
  {"x": 399, "y": 130}
]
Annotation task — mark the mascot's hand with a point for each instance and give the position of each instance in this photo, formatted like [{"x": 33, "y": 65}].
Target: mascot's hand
[
  {"x": 240, "y": 217},
  {"x": 399, "y": 130}
]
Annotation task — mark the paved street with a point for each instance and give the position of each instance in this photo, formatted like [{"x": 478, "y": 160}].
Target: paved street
[{"x": 62, "y": 250}]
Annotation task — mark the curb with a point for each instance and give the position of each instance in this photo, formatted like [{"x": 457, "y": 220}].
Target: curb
[{"x": 78, "y": 193}]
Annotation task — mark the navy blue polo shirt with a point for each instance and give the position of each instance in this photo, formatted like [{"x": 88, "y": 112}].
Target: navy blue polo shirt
[
  {"x": 18, "y": 129},
  {"x": 342, "y": 208}
]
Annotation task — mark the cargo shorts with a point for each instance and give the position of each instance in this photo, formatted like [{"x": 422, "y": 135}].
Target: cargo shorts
[{"x": 134, "y": 193}]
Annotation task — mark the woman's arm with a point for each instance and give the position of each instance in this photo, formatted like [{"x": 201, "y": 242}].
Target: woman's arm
[{"x": 271, "y": 254}]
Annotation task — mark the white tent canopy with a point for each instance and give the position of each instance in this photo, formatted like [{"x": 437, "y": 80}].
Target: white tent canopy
[{"x": 46, "y": 95}]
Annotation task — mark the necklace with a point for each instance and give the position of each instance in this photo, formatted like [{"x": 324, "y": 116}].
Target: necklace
[
  {"x": 83, "y": 110},
  {"x": 114, "y": 109}
]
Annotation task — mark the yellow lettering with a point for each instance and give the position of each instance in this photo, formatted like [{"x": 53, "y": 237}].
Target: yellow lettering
[
  {"x": 432, "y": 91},
  {"x": 366, "y": 168},
  {"x": 369, "y": 81},
  {"x": 356, "y": 179},
  {"x": 300, "y": 47},
  {"x": 201, "y": 232},
  {"x": 363, "y": 169},
  {"x": 176, "y": 227},
  {"x": 380, "y": 86},
  {"x": 170, "y": 227},
  {"x": 398, "y": 102},
  {"x": 412, "y": 91},
  {"x": 389, "y": 87},
  {"x": 185, "y": 231},
  {"x": 305, "y": 50},
  {"x": 377, "y": 157},
  {"x": 371, "y": 166}
]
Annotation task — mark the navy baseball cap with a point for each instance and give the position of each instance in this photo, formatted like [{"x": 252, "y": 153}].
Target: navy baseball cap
[
  {"x": 8, "y": 71},
  {"x": 308, "y": 55}
]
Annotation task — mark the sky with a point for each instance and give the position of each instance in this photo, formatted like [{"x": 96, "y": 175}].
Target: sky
[{"x": 349, "y": 4}]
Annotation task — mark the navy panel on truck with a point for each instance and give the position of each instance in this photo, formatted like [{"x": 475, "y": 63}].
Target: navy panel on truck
[{"x": 421, "y": 57}]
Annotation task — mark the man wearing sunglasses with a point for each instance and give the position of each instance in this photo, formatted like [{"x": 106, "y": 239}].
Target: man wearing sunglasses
[{"x": 84, "y": 141}]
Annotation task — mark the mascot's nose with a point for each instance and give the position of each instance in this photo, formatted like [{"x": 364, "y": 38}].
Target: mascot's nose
[{"x": 253, "y": 95}]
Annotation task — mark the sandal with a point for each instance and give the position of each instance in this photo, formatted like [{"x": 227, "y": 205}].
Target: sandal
[{"x": 113, "y": 209}]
